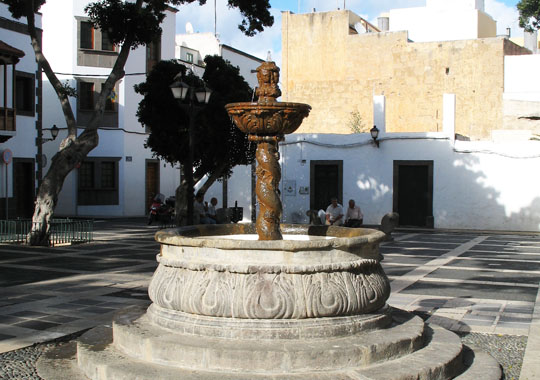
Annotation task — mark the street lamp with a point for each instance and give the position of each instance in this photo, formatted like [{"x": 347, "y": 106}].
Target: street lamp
[
  {"x": 374, "y": 135},
  {"x": 39, "y": 144},
  {"x": 180, "y": 91}
]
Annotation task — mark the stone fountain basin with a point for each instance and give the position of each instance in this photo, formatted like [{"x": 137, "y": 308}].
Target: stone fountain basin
[
  {"x": 315, "y": 272},
  {"x": 268, "y": 118}
]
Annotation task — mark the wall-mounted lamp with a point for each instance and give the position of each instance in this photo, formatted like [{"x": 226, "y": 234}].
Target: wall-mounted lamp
[
  {"x": 54, "y": 133},
  {"x": 374, "y": 135}
]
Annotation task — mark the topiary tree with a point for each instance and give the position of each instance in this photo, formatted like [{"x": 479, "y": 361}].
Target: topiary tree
[
  {"x": 218, "y": 144},
  {"x": 129, "y": 24}
]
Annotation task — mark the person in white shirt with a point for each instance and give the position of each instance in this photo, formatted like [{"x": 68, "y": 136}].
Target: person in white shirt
[
  {"x": 211, "y": 213},
  {"x": 334, "y": 213},
  {"x": 199, "y": 210},
  {"x": 353, "y": 217}
]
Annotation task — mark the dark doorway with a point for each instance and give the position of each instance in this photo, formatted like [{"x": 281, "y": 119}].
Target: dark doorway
[
  {"x": 413, "y": 193},
  {"x": 23, "y": 186},
  {"x": 152, "y": 182},
  {"x": 326, "y": 181}
]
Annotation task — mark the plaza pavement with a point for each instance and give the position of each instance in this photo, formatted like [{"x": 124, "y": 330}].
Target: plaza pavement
[{"x": 478, "y": 282}]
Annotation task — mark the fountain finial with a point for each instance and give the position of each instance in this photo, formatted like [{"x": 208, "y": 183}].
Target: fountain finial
[{"x": 268, "y": 77}]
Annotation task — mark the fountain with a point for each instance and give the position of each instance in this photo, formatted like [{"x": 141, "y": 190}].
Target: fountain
[{"x": 267, "y": 301}]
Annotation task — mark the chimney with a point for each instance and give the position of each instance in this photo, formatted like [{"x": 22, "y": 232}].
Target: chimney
[
  {"x": 383, "y": 23},
  {"x": 508, "y": 32},
  {"x": 530, "y": 40}
]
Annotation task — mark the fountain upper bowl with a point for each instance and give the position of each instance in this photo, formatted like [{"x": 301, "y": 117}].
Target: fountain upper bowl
[{"x": 268, "y": 118}]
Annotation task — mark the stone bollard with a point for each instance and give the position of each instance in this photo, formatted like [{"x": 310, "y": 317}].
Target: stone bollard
[{"x": 388, "y": 223}]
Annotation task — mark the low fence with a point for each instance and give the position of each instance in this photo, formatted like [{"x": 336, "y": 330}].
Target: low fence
[{"x": 62, "y": 231}]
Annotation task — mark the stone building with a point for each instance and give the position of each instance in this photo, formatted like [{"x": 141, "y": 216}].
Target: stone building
[{"x": 412, "y": 76}]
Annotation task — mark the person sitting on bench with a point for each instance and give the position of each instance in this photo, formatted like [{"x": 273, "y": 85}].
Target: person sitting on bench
[{"x": 353, "y": 217}]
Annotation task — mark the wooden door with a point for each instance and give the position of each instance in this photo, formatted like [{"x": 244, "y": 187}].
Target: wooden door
[
  {"x": 23, "y": 187},
  {"x": 152, "y": 182},
  {"x": 326, "y": 181},
  {"x": 413, "y": 193}
]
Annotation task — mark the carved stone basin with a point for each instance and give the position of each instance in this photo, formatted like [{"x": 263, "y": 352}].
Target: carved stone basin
[
  {"x": 223, "y": 271},
  {"x": 273, "y": 118}
]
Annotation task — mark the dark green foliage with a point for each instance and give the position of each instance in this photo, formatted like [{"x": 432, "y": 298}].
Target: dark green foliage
[
  {"x": 529, "y": 14},
  {"x": 18, "y": 7},
  {"x": 216, "y": 138},
  {"x": 120, "y": 18}
]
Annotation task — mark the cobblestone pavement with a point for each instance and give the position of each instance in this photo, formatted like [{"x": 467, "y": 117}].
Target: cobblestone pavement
[{"x": 482, "y": 286}]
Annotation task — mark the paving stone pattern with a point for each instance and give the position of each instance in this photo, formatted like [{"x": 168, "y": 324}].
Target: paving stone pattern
[{"x": 482, "y": 286}]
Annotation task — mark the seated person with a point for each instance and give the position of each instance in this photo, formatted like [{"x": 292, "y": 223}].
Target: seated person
[
  {"x": 353, "y": 216},
  {"x": 198, "y": 209},
  {"x": 211, "y": 211},
  {"x": 334, "y": 213}
]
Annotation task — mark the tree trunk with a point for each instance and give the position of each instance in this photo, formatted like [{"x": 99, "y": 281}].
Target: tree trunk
[
  {"x": 62, "y": 164},
  {"x": 181, "y": 191}
]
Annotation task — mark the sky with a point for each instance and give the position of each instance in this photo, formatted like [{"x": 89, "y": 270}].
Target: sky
[{"x": 202, "y": 19}]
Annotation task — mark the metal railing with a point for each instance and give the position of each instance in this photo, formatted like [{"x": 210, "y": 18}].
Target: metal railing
[{"x": 62, "y": 231}]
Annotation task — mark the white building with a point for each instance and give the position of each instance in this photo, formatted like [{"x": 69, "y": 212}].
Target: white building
[
  {"x": 191, "y": 48},
  {"x": 443, "y": 20},
  {"x": 20, "y": 116},
  {"x": 120, "y": 176}
]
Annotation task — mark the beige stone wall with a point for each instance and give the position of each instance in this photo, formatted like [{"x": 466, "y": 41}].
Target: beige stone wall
[{"x": 338, "y": 72}]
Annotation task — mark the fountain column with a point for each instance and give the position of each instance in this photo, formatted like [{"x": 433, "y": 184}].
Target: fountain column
[{"x": 268, "y": 178}]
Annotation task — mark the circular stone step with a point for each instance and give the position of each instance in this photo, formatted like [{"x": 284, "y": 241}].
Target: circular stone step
[
  {"x": 441, "y": 358},
  {"x": 138, "y": 338}
]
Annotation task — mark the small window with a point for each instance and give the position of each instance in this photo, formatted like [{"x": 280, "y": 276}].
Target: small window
[
  {"x": 25, "y": 90},
  {"x": 98, "y": 181},
  {"x": 189, "y": 57},
  {"x": 106, "y": 43},
  {"x": 87, "y": 35},
  {"x": 153, "y": 53},
  {"x": 86, "y": 95}
]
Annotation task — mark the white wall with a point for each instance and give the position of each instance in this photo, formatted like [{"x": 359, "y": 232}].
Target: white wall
[
  {"x": 443, "y": 21},
  {"x": 521, "y": 80},
  {"x": 205, "y": 43},
  {"x": 22, "y": 144},
  {"x": 245, "y": 63},
  {"x": 475, "y": 185}
]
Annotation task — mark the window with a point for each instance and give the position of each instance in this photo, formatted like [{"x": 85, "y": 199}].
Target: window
[
  {"x": 106, "y": 43},
  {"x": 98, "y": 181},
  {"x": 153, "y": 54},
  {"x": 95, "y": 46},
  {"x": 86, "y": 175},
  {"x": 25, "y": 90},
  {"x": 189, "y": 57},
  {"x": 87, "y": 35},
  {"x": 88, "y": 91},
  {"x": 110, "y": 102},
  {"x": 86, "y": 96}
]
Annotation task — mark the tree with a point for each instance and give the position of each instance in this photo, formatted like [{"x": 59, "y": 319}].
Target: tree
[
  {"x": 218, "y": 144},
  {"x": 529, "y": 14},
  {"x": 128, "y": 24}
]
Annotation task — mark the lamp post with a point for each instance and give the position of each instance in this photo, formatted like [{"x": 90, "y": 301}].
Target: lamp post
[
  {"x": 374, "y": 135},
  {"x": 180, "y": 91}
]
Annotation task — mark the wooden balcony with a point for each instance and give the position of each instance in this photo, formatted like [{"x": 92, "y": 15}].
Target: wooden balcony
[{"x": 7, "y": 123}]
